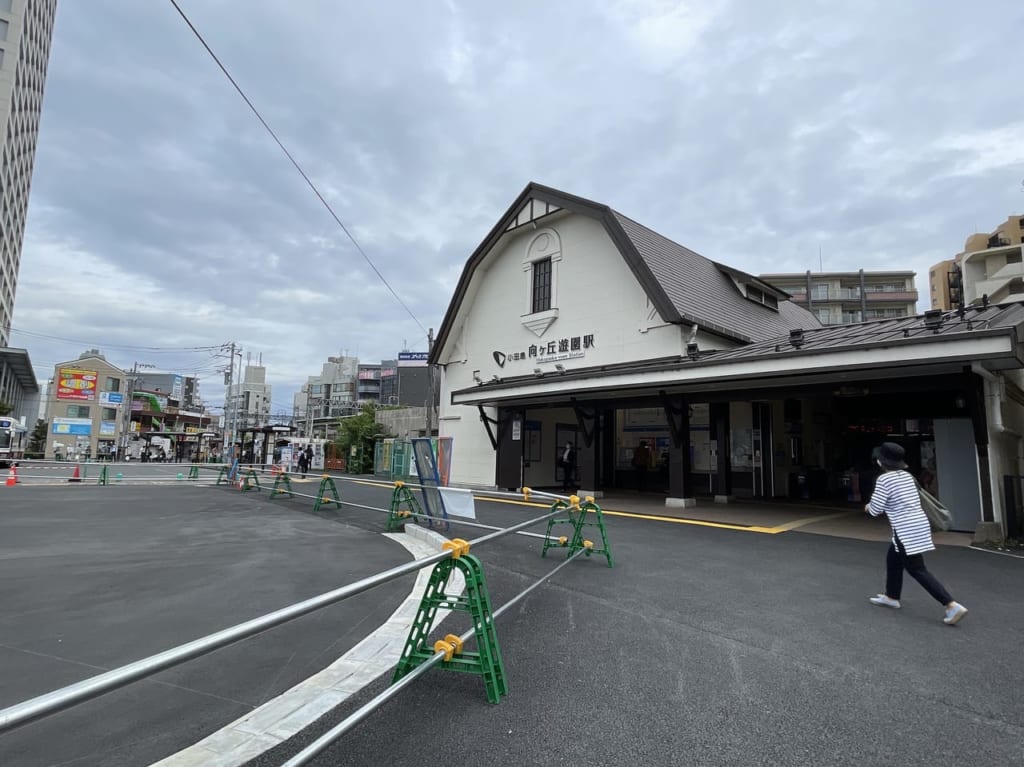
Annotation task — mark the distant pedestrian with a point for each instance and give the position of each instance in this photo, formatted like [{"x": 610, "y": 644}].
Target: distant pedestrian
[
  {"x": 642, "y": 459},
  {"x": 567, "y": 462},
  {"x": 303, "y": 463},
  {"x": 896, "y": 495},
  {"x": 309, "y": 457}
]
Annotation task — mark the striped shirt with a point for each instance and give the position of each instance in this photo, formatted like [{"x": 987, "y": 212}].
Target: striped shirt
[{"x": 897, "y": 497}]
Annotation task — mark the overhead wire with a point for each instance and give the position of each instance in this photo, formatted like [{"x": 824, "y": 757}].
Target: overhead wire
[
  {"x": 148, "y": 349},
  {"x": 294, "y": 162}
]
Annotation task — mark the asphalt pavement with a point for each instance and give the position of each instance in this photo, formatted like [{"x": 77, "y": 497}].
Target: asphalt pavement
[
  {"x": 703, "y": 646},
  {"x": 92, "y": 578},
  {"x": 713, "y": 647}
]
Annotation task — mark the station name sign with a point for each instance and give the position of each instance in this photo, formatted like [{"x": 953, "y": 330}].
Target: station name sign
[{"x": 571, "y": 348}]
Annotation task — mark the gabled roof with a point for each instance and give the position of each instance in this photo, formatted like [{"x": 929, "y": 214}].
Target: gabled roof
[{"x": 684, "y": 286}]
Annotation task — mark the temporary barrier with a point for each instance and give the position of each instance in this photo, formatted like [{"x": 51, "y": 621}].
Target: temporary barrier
[
  {"x": 282, "y": 484},
  {"x": 404, "y": 506},
  {"x": 76, "y": 476},
  {"x": 486, "y": 661},
  {"x": 12, "y": 476},
  {"x": 441, "y": 652},
  {"x": 578, "y": 519},
  {"x": 246, "y": 480},
  {"x": 326, "y": 483},
  {"x": 193, "y": 472},
  {"x": 103, "y": 477}
]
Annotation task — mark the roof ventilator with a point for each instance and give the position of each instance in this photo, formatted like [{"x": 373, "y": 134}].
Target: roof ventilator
[
  {"x": 796, "y": 337},
  {"x": 693, "y": 351},
  {"x": 933, "y": 319}
]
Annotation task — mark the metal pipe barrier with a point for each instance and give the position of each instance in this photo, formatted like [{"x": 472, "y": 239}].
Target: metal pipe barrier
[
  {"x": 413, "y": 515},
  {"x": 324, "y": 741},
  {"x": 58, "y": 700}
]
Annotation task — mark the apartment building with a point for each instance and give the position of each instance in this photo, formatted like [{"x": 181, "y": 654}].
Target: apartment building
[
  {"x": 842, "y": 298},
  {"x": 990, "y": 267}
]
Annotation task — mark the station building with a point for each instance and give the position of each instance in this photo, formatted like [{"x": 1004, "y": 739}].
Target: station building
[{"x": 574, "y": 323}]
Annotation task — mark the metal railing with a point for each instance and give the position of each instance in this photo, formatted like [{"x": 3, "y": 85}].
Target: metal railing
[{"x": 324, "y": 741}]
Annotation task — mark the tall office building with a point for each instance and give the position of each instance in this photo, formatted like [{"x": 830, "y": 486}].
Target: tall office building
[{"x": 26, "y": 27}]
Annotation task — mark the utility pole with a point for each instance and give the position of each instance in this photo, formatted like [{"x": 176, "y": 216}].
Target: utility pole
[
  {"x": 231, "y": 399},
  {"x": 126, "y": 422},
  {"x": 126, "y": 415},
  {"x": 430, "y": 385}
]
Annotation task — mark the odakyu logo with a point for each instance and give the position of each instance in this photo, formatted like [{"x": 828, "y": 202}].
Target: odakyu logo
[{"x": 499, "y": 358}]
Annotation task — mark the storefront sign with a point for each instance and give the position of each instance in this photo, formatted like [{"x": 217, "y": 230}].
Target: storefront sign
[
  {"x": 76, "y": 384},
  {"x": 412, "y": 359},
  {"x": 553, "y": 351},
  {"x": 108, "y": 428},
  {"x": 111, "y": 398},
  {"x": 77, "y": 426}
]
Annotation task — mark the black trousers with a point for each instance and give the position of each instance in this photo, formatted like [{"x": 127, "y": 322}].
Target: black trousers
[{"x": 897, "y": 560}]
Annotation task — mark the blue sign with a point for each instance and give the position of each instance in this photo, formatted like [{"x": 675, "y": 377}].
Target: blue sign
[
  {"x": 411, "y": 359},
  {"x": 111, "y": 398}
]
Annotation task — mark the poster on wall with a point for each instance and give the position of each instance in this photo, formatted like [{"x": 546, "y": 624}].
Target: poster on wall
[
  {"x": 533, "y": 432},
  {"x": 108, "y": 428},
  {"x": 645, "y": 419},
  {"x": 77, "y": 426},
  {"x": 76, "y": 384},
  {"x": 742, "y": 451}
]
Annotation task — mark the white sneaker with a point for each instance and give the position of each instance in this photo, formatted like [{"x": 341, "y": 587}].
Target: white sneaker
[
  {"x": 954, "y": 613},
  {"x": 884, "y": 601}
]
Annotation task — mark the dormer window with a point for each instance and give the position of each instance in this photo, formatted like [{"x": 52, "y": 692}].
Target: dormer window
[{"x": 759, "y": 296}]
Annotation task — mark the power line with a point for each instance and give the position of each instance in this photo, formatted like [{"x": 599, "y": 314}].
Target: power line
[
  {"x": 150, "y": 349},
  {"x": 293, "y": 161}
]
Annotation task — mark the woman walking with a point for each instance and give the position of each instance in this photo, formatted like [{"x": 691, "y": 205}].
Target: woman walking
[{"x": 897, "y": 497}]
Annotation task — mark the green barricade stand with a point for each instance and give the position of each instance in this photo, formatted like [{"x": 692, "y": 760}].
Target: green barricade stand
[
  {"x": 579, "y": 516},
  {"x": 251, "y": 479},
  {"x": 326, "y": 483},
  {"x": 486, "y": 661},
  {"x": 404, "y": 507},
  {"x": 282, "y": 484}
]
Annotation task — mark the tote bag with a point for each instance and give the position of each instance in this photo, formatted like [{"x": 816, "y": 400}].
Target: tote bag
[{"x": 938, "y": 515}]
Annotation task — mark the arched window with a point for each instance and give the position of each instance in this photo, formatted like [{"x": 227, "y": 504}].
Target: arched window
[{"x": 543, "y": 254}]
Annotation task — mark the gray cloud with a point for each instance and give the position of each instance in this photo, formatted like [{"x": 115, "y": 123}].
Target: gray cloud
[{"x": 162, "y": 214}]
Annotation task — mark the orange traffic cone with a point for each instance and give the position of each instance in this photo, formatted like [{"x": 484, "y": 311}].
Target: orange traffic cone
[
  {"x": 77, "y": 476},
  {"x": 12, "y": 477}
]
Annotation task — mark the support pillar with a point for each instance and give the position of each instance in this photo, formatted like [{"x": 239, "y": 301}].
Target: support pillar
[
  {"x": 680, "y": 469},
  {"x": 719, "y": 414}
]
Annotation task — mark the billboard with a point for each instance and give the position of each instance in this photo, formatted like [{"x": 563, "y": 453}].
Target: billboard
[
  {"x": 78, "y": 426},
  {"x": 108, "y": 428},
  {"x": 412, "y": 359},
  {"x": 111, "y": 398},
  {"x": 76, "y": 384},
  {"x": 177, "y": 388}
]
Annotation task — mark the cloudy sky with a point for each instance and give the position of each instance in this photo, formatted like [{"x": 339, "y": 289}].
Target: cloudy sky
[{"x": 164, "y": 219}]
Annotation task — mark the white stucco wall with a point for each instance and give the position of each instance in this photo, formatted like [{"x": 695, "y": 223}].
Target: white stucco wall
[{"x": 595, "y": 294}]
